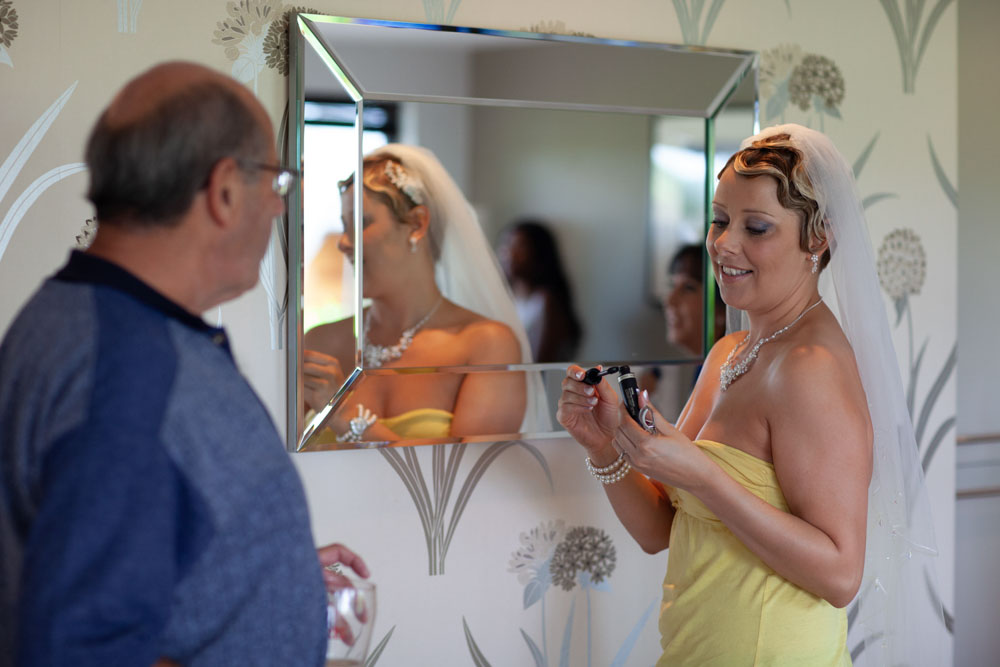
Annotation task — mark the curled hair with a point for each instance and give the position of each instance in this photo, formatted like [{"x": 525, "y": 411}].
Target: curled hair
[
  {"x": 776, "y": 156},
  {"x": 381, "y": 188},
  {"x": 149, "y": 169}
]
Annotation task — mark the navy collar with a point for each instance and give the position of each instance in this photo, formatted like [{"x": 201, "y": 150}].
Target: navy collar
[{"x": 86, "y": 268}]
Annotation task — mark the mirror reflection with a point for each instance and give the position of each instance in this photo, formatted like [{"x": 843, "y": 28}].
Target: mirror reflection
[
  {"x": 567, "y": 189},
  {"x": 435, "y": 297}
]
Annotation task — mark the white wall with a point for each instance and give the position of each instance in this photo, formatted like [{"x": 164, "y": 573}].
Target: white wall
[
  {"x": 355, "y": 496},
  {"x": 977, "y": 522}
]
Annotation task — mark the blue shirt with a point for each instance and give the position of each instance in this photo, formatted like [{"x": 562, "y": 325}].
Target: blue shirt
[{"x": 147, "y": 508}]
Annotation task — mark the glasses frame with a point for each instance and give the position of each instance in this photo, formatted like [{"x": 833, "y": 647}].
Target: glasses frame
[{"x": 284, "y": 177}]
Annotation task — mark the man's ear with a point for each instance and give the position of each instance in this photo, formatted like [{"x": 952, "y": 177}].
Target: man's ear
[{"x": 223, "y": 191}]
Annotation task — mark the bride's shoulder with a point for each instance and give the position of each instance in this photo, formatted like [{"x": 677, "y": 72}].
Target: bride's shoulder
[
  {"x": 330, "y": 334},
  {"x": 819, "y": 358},
  {"x": 488, "y": 341},
  {"x": 725, "y": 345}
]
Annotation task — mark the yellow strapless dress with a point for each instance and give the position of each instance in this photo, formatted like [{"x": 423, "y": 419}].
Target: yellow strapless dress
[
  {"x": 420, "y": 423},
  {"x": 722, "y": 606}
]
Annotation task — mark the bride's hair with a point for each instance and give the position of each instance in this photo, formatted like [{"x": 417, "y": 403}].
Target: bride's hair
[
  {"x": 777, "y": 157},
  {"x": 388, "y": 181}
]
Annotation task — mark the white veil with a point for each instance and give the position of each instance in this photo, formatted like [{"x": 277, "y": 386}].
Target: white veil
[
  {"x": 897, "y": 618},
  {"x": 466, "y": 269}
]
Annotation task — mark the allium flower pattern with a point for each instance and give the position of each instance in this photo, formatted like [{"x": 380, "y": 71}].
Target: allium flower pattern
[
  {"x": 902, "y": 264},
  {"x": 807, "y": 80},
  {"x": 585, "y": 549},
  {"x": 276, "y": 41},
  {"x": 776, "y": 66},
  {"x": 554, "y": 28},
  {"x": 86, "y": 235},
  {"x": 246, "y": 18},
  {"x": 537, "y": 547},
  {"x": 242, "y": 35},
  {"x": 819, "y": 76},
  {"x": 8, "y": 22}
]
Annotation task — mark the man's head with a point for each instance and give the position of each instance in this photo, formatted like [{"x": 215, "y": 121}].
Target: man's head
[
  {"x": 187, "y": 154},
  {"x": 153, "y": 148}
]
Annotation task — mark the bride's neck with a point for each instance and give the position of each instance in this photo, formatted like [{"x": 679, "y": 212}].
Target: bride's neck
[
  {"x": 763, "y": 324},
  {"x": 402, "y": 308}
]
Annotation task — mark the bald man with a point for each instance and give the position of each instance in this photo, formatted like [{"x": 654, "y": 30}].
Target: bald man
[{"x": 148, "y": 509}]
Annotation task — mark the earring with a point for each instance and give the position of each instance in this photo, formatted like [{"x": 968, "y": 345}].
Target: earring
[
  {"x": 814, "y": 258},
  {"x": 413, "y": 244}
]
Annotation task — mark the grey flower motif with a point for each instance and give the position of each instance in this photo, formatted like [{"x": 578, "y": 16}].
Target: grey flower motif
[
  {"x": 86, "y": 235},
  {"x": 246, "y": 18},
  {"x": 585, "y": 549},
  {"x": 8, "y": 22},
  {"x": 554, "y": 28},
  {"x": 816, "y": 75},
  {"x": 537, "y": 547},
  {"x": 902, "y": 264},
  {"x": 776, "y": 66},
  {"x": 276, "y": 42}
]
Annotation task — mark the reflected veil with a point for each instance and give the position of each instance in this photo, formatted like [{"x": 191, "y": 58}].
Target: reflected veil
[{"x": 466, "y": 270}]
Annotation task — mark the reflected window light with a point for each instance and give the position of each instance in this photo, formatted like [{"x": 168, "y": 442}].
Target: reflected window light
[{"x": 331, "y": 156}]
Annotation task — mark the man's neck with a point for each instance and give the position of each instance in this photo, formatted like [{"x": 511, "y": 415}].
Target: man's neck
[{"x": 158, "y": 257}]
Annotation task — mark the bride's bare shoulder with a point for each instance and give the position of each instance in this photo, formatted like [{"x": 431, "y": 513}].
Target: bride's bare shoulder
[
  {"x": 485, "y": 340},
  {"x": 331, "y": 336},
  {"x": 818, "y": 361}
]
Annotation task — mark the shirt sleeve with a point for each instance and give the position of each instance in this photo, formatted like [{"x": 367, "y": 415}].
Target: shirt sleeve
[{"x": 117, "y": 527}]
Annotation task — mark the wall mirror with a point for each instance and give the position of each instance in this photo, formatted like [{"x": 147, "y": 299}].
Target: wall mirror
[{"x": 611, "y": 146}]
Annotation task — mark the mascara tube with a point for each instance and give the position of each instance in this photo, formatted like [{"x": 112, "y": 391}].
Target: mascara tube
[{"x": 630, "y": 392}]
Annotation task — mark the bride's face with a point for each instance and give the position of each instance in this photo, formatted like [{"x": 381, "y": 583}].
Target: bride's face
[
  {"x": 385, "y": 238},
  {"x": 754, "y": 243}
]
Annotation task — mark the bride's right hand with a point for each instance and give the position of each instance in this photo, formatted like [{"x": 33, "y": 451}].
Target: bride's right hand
[
  {"x": 588, "y": 412},
  {"x": 321, "y": 378}
]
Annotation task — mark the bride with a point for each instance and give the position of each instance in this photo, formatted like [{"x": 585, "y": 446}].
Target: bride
[
  {"x": 790, "y": 488},
  {"x": 437, "y": 299}
]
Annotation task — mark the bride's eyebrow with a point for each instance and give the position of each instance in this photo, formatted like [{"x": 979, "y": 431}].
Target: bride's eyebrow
[{"x": 758, "y": 211}]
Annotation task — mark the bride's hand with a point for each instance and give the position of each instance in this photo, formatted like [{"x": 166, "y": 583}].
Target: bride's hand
[
  {"x": 667, "y": 455},
  {"x": 321, "y": 378},
  {"x": 588, "y": 412}
]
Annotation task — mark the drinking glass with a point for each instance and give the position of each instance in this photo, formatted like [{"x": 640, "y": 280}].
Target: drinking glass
[{"x": 350, "y": 614}]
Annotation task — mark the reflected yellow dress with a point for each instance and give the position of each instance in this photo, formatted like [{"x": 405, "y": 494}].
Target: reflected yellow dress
[
  {"x": 722, "y": 606},
  {"x": 420, "y": 423}
]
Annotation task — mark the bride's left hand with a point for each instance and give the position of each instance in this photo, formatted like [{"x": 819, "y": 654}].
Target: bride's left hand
[{"x": 667, "y": 455}]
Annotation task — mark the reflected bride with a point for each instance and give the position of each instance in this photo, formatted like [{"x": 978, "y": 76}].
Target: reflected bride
[{"x": 436, "y": 299}]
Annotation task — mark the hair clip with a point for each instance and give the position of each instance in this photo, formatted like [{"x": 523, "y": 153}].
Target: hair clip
[{"x": 407, "y": 183}]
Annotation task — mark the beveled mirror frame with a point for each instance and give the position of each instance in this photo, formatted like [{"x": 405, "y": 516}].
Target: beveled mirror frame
[{"x": 303, "y": 34}]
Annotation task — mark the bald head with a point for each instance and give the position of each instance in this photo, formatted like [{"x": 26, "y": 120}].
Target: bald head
[{"x": 154, "y": 146}]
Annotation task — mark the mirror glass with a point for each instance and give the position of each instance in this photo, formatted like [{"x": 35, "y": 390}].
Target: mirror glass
[{"x": 584, "y": 153}]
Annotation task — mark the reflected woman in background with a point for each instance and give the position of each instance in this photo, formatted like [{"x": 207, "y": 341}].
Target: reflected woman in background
[
  {"x": 762, "y": 492},
  {"x": 683, "y": 308},
  {"x": 437, "y": 299},
  {"x": 530, "y": 259}
]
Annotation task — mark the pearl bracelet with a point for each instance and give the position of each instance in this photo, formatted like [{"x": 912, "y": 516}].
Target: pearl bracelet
[
  {"x": 612, "y": 473},
  {"x": 611, "y": 467}
]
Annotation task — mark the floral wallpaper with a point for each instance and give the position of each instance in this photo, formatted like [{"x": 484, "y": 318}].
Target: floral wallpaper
[
  {"x": 8, "y": 30},
  {"x": 539, "y": 570}
]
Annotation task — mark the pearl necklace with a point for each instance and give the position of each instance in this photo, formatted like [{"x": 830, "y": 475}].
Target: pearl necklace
[
  {"x": 376, "y": 355},
  {"x": 729, "y": 374}
]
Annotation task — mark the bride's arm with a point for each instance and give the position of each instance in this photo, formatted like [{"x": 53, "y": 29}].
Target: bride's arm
[
  {"x": 490, "y": 402},
  {"x": 821, "y": 447}
]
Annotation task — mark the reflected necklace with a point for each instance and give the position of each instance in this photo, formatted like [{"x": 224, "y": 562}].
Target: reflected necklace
[
  {"x": 729, "y": 374},
  {"x": 376, "y": 355}
]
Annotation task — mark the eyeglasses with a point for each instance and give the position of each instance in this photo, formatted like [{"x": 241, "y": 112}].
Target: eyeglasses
[{"x": 284, "y": 177}]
